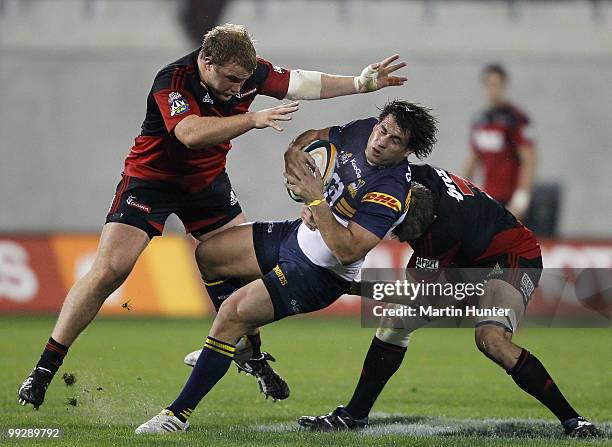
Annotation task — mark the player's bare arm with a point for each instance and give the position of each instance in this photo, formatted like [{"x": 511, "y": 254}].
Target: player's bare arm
[
  {"x": 197, "y": 132},
  {"x": 347, "y": 244},
  {"x": 306, "y": 84},
  {"x": 519, "y": 203}
]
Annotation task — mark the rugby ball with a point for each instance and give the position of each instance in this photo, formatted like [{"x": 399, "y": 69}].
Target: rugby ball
[{"x": 324, "y": 154}]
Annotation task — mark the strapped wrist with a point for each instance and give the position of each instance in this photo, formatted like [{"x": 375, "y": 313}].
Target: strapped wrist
[{"x": 316, "y": 202}]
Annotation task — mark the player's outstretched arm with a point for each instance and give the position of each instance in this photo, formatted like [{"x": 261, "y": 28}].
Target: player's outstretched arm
[
  {"x": 198, "y": 132},
  {"x": 305, "y": 84}
]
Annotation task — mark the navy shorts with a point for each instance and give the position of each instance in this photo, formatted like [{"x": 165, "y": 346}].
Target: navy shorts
[
  {"x": 295, "y": 284},
  {"x": 146, "y": 204}
]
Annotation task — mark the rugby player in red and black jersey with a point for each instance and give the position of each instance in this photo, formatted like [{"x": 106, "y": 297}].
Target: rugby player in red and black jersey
[
  {"x": 452, "y": 224},
  {"x": 502, "y": 146},
  {"x": 196, "y": 106}
]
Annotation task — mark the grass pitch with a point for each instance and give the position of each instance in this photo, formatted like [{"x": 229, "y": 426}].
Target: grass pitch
[{"x": 445, "y": 394}]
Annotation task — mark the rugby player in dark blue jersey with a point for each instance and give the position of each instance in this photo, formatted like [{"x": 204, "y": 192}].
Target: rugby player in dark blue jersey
[
  {"x": 298, "y": 268},
  {"x": 453, "y": 224},
  {"x": 196, "y": 106}
]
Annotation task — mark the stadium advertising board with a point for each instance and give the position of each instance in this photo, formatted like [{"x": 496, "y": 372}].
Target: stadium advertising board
[{"x": 36, "y": 272}]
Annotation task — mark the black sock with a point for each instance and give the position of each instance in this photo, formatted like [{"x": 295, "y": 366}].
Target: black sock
[
  {"x": 212, "y": 364},
  {"x": 381, "y": 362},
  {"x": 255, "y": 341},
  {"x": 218, "y": 291},
  {"x": 53, "y": 356},
  {"x": 531, "y": 376}
]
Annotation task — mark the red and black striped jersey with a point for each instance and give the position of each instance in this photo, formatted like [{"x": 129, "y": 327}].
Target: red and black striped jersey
[
  {"x": 176, "y": 93},
  {"x": 470, "y": 226},
  {"x": 496, "y": 135}
]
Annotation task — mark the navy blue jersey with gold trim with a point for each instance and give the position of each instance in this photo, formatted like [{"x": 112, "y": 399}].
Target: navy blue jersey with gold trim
[{"x": 375, "y": 197}]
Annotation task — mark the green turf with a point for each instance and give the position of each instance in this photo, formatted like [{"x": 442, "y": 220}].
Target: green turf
[{"x": 444, "y": 383}]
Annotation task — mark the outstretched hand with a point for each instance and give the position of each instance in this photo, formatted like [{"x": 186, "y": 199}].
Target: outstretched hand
[
  {"x": 377, "y": 76},
  {"x": 270, "y": 117}
]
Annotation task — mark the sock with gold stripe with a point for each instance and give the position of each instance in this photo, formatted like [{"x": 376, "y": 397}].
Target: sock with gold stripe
[{"x": 212, "y": 364}]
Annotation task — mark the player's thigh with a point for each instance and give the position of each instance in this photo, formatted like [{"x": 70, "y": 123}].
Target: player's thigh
[
  {"x": 505, "y": 302},
  {"x": 247, "y": 308},
  {"x": 229, "y": 254},
  {"x": 238, "y": 220},
  {"x": 119, "y": 248},
  {"x": 207, "y": 212}
]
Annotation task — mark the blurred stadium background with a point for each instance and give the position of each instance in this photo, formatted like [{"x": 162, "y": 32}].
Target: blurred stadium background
[{"x": 74, "y": 75}]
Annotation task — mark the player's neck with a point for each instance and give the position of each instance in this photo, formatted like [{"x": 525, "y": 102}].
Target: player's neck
[{"x": 493, "y": 104}]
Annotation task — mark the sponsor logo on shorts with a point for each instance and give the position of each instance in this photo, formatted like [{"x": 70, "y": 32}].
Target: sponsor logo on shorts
[
  {"x": 496, "y": 271},
  {"x": 383, "y": 199},
  {"x": 427, "y": 264},
  {"x": 178, "y": 104},
  {"x": 233, "y": 198},
  {"x": 526, "y": 285},
  {"x": 295, "y": 307},
  {"x": 281, "y": 276},
  {"x": 131, "y": 200}
]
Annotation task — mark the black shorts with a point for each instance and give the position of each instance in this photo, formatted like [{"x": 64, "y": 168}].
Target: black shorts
[
  {"x": 521, "y": 273},
  {"x": 295, "y": 284},
  {"x": 146, "y": 204}
]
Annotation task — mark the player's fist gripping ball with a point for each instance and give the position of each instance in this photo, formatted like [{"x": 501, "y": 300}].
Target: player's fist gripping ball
[{"x": 324, "y": 154}]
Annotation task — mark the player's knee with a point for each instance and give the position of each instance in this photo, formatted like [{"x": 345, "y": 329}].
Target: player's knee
[
  {"x": 397, "y": 337},
  {"x": 490, "y": 340},
  {"x": 109, "y": 275},
  {"x": 206, "y": 261},
  {"x": 228, "y": 323},
  {"x": 228, "y": 314}
]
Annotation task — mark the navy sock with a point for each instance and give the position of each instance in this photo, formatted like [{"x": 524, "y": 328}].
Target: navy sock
[
  {"x": 381, "y": 362},
  {"x": 218, "y": 291},
  {"x": 53, "y": 356},
  {"x": 255, "y": 341},
  {"x": 212, "y": 364},
  {"x": 531, "y": 376}
]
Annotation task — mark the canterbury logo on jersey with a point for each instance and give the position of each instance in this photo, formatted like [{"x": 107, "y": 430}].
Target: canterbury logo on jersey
[{"x": 383, "y": 199}]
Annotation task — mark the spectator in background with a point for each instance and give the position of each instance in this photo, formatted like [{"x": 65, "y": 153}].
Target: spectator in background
[{"x": 501, "y": 145}]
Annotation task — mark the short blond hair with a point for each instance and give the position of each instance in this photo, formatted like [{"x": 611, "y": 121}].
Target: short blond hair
[{"x": 230, "y": 43}]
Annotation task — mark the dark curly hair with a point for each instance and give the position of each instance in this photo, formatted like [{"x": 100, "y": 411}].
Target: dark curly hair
[
  {"x": 421, "y": 213},
  {"x": 418, "y": 123}
]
